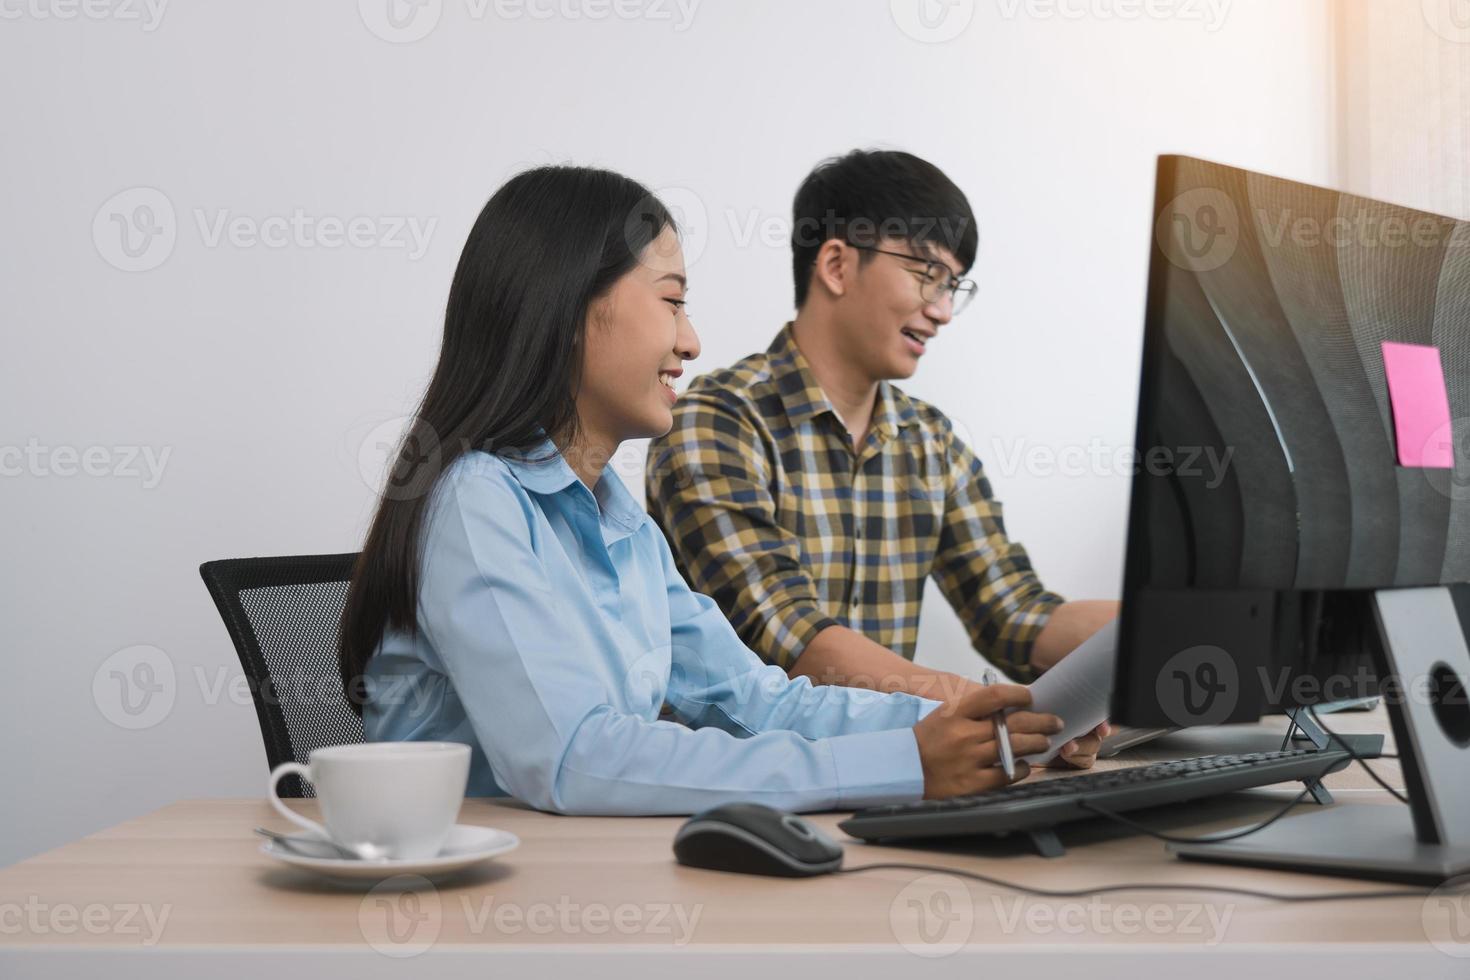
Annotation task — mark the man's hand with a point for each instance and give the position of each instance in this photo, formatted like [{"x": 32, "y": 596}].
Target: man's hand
[
  {"x": 1081, "y": 753},
  {"x": 957, "y": 744}
]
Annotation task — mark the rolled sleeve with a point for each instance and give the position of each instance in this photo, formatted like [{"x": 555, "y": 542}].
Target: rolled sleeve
[{"x": 986, "y": 576}]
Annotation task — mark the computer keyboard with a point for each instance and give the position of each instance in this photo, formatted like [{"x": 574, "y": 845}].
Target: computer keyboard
[{"x": 1034, "y": 806}]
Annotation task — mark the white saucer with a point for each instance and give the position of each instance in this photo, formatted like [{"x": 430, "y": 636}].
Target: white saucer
[{"x": 466, "y": 845}]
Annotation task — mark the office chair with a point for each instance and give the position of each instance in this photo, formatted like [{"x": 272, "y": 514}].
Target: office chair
[{"x": 282, "y": 614}]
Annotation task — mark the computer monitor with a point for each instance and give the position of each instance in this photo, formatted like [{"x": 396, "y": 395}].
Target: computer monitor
[{"x": 1301, "y": 498}]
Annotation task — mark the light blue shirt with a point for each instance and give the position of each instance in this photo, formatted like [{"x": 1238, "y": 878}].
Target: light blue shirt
[{"x": 553, "y": 629}]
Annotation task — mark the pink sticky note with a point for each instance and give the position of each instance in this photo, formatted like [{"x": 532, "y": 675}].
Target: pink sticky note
[{"x": 1421, "y": 406}]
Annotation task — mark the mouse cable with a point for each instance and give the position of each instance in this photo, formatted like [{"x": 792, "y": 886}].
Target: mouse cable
[{"x": 1182, "y": 886}]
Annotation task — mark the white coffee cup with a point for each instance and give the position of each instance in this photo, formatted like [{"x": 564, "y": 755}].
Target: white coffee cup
[{"x": 402, "y": 797}]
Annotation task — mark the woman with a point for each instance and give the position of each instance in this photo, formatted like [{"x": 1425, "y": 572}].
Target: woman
[{"x": 513, "y": 596}]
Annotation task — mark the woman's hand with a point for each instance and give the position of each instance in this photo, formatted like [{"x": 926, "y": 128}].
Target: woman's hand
[{"x": 957, "y": 744}]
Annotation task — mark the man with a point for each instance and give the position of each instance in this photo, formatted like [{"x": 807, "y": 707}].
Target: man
[{"x": 811, "y": 497}]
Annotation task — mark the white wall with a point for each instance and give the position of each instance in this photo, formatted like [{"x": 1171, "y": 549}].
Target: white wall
[
  {"x": 1405, "y": 102},
  {"x": 261, "y": 371}
]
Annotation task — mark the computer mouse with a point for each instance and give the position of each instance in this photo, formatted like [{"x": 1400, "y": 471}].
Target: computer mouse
[{"x": 755, "y": 839}]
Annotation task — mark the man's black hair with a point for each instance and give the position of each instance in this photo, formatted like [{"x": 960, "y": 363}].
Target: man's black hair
[{"x": 866, "y": 196}]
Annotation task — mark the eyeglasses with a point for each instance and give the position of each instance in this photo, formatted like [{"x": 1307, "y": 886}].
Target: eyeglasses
[{"x": 935, "y": 282}]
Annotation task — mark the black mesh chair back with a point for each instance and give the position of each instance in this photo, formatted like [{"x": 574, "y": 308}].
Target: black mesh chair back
[{"x": 283, "y": 615}]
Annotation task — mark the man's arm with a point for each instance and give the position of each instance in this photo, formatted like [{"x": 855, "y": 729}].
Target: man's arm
[
  {"x": 988, "y": 578},
  {"x": 708, "y": 487},
  {"x": 1069, "y": 625},
  {"x": 839, "y": 655}
]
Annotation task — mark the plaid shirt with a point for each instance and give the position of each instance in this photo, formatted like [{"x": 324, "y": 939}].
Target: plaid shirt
[{"x": 769, "y": 510}]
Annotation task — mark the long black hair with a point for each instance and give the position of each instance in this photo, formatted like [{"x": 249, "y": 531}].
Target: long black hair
[{"x": 546, "y": 245}]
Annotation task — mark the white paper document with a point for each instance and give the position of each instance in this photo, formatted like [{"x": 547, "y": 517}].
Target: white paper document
[{"x": 1077, "y": 689}]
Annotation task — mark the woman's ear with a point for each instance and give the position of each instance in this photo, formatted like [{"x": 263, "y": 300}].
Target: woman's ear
[
  {"x": 600, "y": 312},
  {"x": 833, "y": 269}
]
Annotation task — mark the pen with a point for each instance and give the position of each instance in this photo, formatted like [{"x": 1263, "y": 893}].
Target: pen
[{"x": 1002, "y": 733}]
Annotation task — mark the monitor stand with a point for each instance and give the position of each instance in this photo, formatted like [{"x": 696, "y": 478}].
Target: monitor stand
[{"x": 1424, "y": 673}]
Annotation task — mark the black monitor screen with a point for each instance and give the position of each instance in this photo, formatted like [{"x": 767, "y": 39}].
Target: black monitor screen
[{"x": 1303, "y": 435}]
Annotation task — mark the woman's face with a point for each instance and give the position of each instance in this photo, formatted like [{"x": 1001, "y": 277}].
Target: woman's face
[{"x": 636, "y": 339}]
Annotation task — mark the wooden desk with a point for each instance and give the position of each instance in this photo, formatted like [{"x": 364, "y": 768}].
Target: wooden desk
[{"x": 197, "y": 887}]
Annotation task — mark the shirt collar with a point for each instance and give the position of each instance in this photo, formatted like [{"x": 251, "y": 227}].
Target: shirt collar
[
  {"x": 803, "y": 398},
  {"x": 543, "y": 469}
]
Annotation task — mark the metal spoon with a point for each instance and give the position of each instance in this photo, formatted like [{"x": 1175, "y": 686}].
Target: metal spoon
[{"x": 356, "y": 852}]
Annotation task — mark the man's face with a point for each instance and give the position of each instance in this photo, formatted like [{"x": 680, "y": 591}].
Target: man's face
[{"x": 885, "y": 320}]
